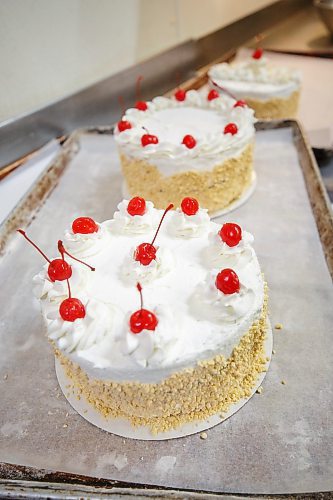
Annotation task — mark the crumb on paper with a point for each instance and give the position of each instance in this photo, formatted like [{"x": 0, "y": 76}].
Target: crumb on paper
[
  {"x": 141, "y": 458},
  {"x": 283, "y": 382},
  {"x": 5, "y": 376},
  {"x": 66, "y": 414},
  {"x": 203, "y": 435},
  {"x": 274, "y": 351},
  {"x": 278, "y": 326},
  {"x": 259, "y": 390},
  {"x": 65, "y": 426},
  {"x": 267, "y": 358},
  {"x": 85, "y": 411}
]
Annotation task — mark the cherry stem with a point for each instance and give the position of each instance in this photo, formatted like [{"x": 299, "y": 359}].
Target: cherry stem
[
  {"x": 139, "y": 287},
  {"x": 121, "y": 104},
  {"x": 158, "y": 228},
  {"x": 225, "y": 90},
  {"x": 69, "y": 289},
  {"x": 177, "y": 78},
  {"x": 138, "y": 87},
  {"x": 33, "y": 244},
  {"x": 145, "y": 129},
  {"x": 62, "y": 250}
]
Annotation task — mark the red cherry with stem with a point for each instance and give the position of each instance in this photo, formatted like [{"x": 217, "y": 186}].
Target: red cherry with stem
[
  {"x": 141, "y": 105},
  {"x": 231, "y": 128},
  {"x": 180, "y": 95},
  {"x": 142, "y": 319},
  {"x": 257, "y": 54},
  {"x": 231, "y": 234},
  {"x": 58, "y": 270},
  {"x": 124, "y": 125},
  {"x": 84, "y": 225},
  {"x": 189, "y": 206},
  {"x": 145, "y": 253},
  {"x": 189, "y": 141},
  {"x": 147, "y": 139},
  {"x": 227, "y": 282},
  {"x": 226, "y": 91},
  {"x": 240, "y": 104},
  {"x": 136, "y": 206},
  {"x": 63, "y": 251},
  {"x": 72, "y": 309},
  {"x": 212, "y": 94}
]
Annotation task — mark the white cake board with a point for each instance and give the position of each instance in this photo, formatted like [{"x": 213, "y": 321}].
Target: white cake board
[
  {"x": 236, "y": 204},
  {"x": 122, "y": 427}
]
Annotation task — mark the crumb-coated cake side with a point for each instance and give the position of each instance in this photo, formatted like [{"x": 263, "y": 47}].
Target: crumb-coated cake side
[
  {"x": 272, "y": 91},
  {"x": 157, "y": 316},
  {"x": 201, "y": 146}
]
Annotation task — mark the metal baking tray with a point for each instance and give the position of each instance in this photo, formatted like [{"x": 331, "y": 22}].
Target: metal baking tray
[{"x": 280, "y": 442}]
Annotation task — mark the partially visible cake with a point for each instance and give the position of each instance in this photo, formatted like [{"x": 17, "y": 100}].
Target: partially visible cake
[
  {"x": 272, "y": 91},
  {"x": 193, "y": 347},
  {"x": 193, "y": 144}
]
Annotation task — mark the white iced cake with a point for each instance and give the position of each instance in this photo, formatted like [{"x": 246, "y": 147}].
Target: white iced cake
[{"x": 162, "y": 318}]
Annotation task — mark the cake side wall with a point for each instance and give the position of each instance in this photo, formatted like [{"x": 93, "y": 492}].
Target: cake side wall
[
  {"x": 275, "y": 109},
  {"x": 215, "y": 189},
  {"x": 191, "y": 394}
]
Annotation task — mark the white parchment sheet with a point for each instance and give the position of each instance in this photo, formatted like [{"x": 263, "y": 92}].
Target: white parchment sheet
[{"x": 281, "y": 441}]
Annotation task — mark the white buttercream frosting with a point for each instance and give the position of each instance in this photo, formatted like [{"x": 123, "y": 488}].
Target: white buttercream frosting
[
  {"x": 170, "y": 120},
  {"x": 195, "y": 320},
  {"x": 125, "y": 223},
  {"x": 255, "y": 78}
]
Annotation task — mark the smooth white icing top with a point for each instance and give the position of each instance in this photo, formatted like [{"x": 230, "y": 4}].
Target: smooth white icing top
[
  {"x": 195, "y": 320},
  {"x": 170, "y": 120},
  {"x": 256, "y": 79}
]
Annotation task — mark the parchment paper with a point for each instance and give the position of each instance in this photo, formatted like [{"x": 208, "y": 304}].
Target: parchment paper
[{"x": 281, "y": 441}]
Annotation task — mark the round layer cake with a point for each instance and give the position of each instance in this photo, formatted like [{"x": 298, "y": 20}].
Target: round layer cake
[
  {"x": 193, "y": 144},
  {"x": 272, "y": 91},
  {"x": 168, "y": 326}
]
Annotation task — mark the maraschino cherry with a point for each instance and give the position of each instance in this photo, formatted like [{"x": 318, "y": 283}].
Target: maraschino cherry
[
  {"x": 257, "y": 54},
  {"x": 212, "y": 94},
  {"x": 231, "y": 128},
  {"x": 189, "y": 141},
  {"x": 58, "y": 270},
  {"x": 240, "y": 104},
  {"x": 231, "y": 234},
  {"x": 190, "y": 206},
  {"x": 142, "y": 319},
  {"x": 71, "y": 309},
  {"x": 180, "y": 95},
  {"x": 136, "y": 206},
  {"x": 145, "y": 253},
  {"x": 227, "y": 281},
  {"x": 84, "y": 225},
  {"x": 147, "y": 139},
  {"x": 124, "y": 125},
  {"x": 140, "y": 105}
]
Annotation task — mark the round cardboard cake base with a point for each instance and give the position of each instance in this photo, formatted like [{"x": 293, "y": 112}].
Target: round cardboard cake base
[
  {"x": 236, "y": 204},
  {"x": 122, "y": 427}
]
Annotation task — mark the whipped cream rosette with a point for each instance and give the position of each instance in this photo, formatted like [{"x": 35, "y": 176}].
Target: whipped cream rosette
[{"x": 202, "y": 309}]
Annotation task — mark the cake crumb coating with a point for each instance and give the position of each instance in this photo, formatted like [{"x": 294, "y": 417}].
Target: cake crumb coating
[{"x": 277, "y": 108}]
